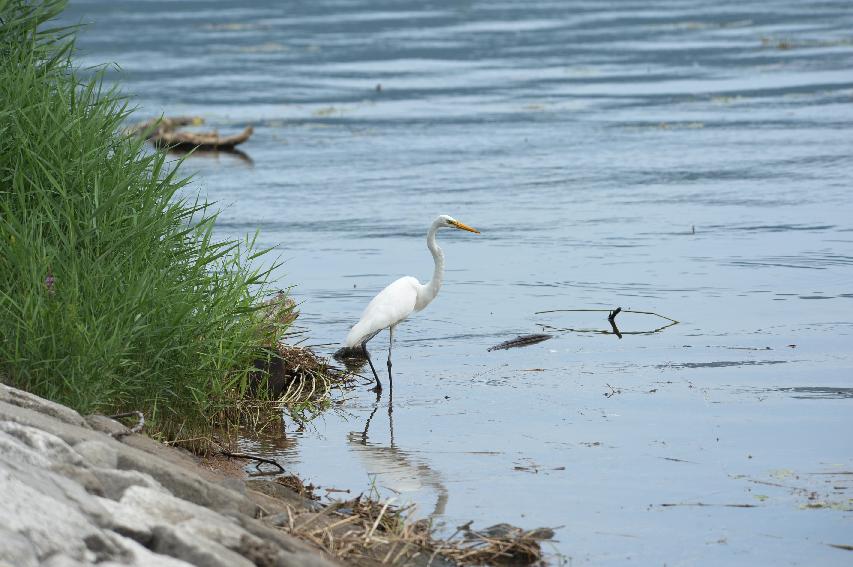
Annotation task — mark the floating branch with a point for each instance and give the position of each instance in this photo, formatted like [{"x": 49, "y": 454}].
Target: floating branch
[
  {"x": 164, "y": 132},
  {"x": 618, "y": 310},
  {"x": 611, "y": 318},
  {"x": 521, "y": 341}
]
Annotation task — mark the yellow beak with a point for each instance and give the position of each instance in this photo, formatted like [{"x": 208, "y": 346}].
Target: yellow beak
[{"x": 462, "y": 226}]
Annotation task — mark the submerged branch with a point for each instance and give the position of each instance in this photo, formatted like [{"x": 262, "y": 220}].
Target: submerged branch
[{"x": 259, "y": 460}]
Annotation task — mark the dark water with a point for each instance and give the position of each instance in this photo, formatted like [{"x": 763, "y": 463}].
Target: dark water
[{"x": 687, "y": 158}]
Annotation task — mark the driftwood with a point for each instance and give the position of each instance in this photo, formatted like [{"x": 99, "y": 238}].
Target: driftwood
[
  {"x": 521, "y": 341},
  {"x": 164, "y": 132}
]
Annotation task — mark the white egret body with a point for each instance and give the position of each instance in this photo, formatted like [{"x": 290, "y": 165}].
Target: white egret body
[{"x": 402, "y": 298}]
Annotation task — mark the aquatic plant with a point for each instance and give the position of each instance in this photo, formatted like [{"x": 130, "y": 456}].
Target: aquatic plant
[{"x": 115, "y": 292}]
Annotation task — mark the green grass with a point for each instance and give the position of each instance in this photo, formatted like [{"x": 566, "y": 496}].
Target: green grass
[{"x": 115, "y": 294}]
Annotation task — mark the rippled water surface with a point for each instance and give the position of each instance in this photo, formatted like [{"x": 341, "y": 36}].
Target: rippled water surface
[{"x": 691, "y": 159}]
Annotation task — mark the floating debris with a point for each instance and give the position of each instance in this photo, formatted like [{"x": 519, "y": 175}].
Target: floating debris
[
  {"x": 521, "y": 341},
  {"x": 163, "y": 132}
]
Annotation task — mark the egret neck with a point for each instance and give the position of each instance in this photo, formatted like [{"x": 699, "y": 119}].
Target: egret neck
[{"x": 428, "y": 292}]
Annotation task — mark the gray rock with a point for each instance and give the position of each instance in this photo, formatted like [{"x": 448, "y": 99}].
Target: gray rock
[
  {"x": 186, "y": 485},
  {"x": 13, "y": 450},
  {"x": 281, "y": 492},
  {"x": 46, "y": 444},
  {"x": 114, "y": 482},
  {"x": 18, "y": 550},
  {"x": 180, "y": 543},
  {"x": 60, "y": 560},
  {"x": 54, "y": 525},
  {"x": 23, "y": 399},
  {"x": 82, "y": 476},
  {"x": 97, "y": 454},
  {"x": 70, "y": 433},
  {"x": 105, "y": 424},
  {"x": 136, "y": 555},
  {"x": 141, "y": 510},
  {"x": 296, "y": 553}
]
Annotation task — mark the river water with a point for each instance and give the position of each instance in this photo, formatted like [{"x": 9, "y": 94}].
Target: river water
[{"x": 692, "y": 159}]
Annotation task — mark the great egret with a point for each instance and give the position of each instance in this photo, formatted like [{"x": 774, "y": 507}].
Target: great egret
[{"x": 400, "y": 299}]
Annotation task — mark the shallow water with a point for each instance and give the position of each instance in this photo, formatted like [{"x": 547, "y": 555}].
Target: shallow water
[{"x": 688, "y": 159}]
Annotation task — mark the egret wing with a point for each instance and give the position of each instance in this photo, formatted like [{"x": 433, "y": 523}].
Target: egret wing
[{"x": 389, "y": 307}]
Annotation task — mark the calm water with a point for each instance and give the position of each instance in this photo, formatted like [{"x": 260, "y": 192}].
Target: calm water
[{"x": 693, "y": 159}]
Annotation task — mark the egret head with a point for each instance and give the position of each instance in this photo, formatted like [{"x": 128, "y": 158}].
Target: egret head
[{"x": 450, "y": 222}]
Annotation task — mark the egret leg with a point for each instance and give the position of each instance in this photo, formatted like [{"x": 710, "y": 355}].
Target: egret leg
[
  {"x": 390, "y": 344},
  {"x": 378, "y": 387}
]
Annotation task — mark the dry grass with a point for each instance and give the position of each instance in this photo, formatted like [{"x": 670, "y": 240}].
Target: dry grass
[{"x": 369, "y": 532}]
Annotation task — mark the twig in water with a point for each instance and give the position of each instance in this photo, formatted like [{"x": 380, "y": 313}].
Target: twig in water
[
  {"x": 606, "y": 311},
  {"x": 247, "y": 457},
  {"x": 135, "y": 429},
  {"x": 613, "y": 391},
  {"x": 612, "y": 319}
]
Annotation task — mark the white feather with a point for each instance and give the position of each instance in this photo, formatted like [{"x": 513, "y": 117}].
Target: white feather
[{"x": 390, "y": 306}]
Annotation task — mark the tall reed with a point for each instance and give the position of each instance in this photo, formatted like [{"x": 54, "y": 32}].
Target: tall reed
[{"x": 115, "y": 292}]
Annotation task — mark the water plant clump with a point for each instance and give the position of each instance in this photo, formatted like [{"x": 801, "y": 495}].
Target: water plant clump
[{"x": 115, "y": 293}]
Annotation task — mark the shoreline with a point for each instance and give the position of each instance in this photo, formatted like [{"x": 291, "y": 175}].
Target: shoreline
[{"x": 87, "y": 490}]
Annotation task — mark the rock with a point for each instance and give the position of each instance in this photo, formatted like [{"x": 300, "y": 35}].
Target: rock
[
  {"x": 18, "y": 550},
  {"x": 71, "y": 495},
  {"x": 97, "y": 454},
  {"x": 13, "y": 450},
  {"x": 60, "y": 560},
  {"x": 281, "y": 492},
  {"x": 52, "y": 523},
  {"x": 186, "y": 485},
  {"x": 115, "y": 482},
  {"x": 180, "y": 543},
  {"x": 105, "y": 424},
  {"x": 136, "y": 555},
  {"x": 81, "y": 476},
  {"x": 70, "y": 433},
  {"x": 145, "y": 509},
  {"x": 46, "y": 444},
  {"x": 29, "y": 401}
]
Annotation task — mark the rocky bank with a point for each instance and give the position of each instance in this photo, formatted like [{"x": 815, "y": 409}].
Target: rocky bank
[{"x": 82, "y": 491}]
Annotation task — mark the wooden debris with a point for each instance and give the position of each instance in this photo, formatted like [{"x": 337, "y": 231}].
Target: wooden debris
[
  {"x": 165, "y": 132},
  {"x": 520, "y": 341}
]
